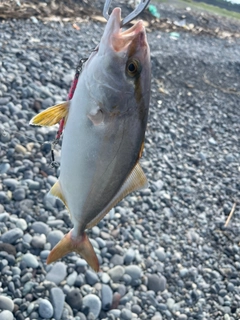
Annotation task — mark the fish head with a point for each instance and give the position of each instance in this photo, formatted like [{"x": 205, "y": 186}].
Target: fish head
[{"x": 121, "y": 67}]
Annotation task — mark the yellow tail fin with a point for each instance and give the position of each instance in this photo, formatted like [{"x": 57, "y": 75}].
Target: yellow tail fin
[
  {"x": 80, "y": 245},
  {"x": 51, "y": 115}
]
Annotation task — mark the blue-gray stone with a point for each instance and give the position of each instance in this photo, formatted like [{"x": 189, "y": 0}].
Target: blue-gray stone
[
  {"x": 72, "y": 278},
  {"x": 58, "y": 273},
  {"x": 160, "y": 253},
  {"x": 54, "y": 237},
  {"x": 12, "y": 184},
  {"x": 6, "y": 315},
  {"x": 91, "y": 277},
  {"x": 11, "y": 236},
  {"x": 6, "y": 303},
  {"x": 133, "y": 271},
  {"x": 38, "y": 241},
  {"x": 107, "y": 297},
  {"x": 58, "y": 298},
  {"x": 126, "y": 314},
  {"x": 93, "y": 303},
  {"x": 40, "y": 227},
  {"x": 45, "y": 309},
  {"x": 21, "y": 224},
  {"x": 129, "y": 256},
  {"x": 19, "y": 194},
  {"x": 156, "y": 283},
  {"x": 116, "y": 273},
  {"x": 30, "y": 260},
  {"x": 4, "y": 167}
]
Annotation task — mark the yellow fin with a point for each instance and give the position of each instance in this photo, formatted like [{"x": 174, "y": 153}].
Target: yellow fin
[
  {"x": 80, "y": 245},
  {"x": 51, "y": 115},
  {"x": 135, "y": 181},
  {"x": 56, "y": 191}
]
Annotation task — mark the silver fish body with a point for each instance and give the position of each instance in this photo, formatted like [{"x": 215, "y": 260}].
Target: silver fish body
[{"x": 104, "y": 133}]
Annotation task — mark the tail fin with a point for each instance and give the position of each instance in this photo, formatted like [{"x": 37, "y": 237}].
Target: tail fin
[{"x": 80, "y": 245}]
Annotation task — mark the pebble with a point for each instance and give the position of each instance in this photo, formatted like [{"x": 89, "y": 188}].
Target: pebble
[
  {"x": 126, "y": 314},
  {"x": 116, "y": 273},
  {"x": 160, "y": 253},
  {"x": 19, "y": 194},
  {"x": 45, "y": 309},
  {"x": 21, "y": 224},
  {"x": 156, "y": 283},
  {"x": 74, "y": 299},
  {"x": 57, "y": 273},
  {"x": 6, "y": 303},
  {"x": 93, "y": 303},
  {"x": 133, "y": 271},
  {"x": 6, "y": 315},
  {"x": 30, "y": 260},
  {"x": 129, "y": 256},
  {"x": 54, "y": 237},
  {"x": 38, "y": 241},
  {"x": 91, "y": 277},
  {"x": 107, "y": 297},
  {"x": 40, "y": 227},
  {"x": 57, "y": 298},
  {"x": 11, "y": 236}
]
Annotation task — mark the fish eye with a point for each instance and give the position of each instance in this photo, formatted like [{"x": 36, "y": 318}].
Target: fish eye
[{"x": 133, "y": 67}]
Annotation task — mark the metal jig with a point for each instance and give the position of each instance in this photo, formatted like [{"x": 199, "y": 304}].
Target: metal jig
[{"x": 133, "y": 15}]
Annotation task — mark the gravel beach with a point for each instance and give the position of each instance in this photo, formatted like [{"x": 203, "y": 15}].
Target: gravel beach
[{"x": 165, "y": 252}]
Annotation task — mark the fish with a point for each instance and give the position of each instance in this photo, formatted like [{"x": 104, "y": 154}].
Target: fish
[{"x": 103, "y": 138}]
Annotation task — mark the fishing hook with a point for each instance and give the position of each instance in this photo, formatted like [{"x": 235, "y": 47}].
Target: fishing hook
[{"x": 133, "y": 15}]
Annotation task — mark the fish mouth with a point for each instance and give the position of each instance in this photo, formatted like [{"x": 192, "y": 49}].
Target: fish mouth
[{"x": 121, "y": 40}]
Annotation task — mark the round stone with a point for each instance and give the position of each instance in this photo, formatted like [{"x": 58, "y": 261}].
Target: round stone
[
  {"x": 58, "y": 273},
  {"x": 45, "y": 309},
  {"x": 93, "y": 303},
  {"x": 6, "y": 303},
  {"x": 11, "y": 236},
  {"x": 156, "y": 283},
  {"x": 54, "y": 237},
  {"x": 6, "y": 315},
  {"x": 30, "y": 260},
  {"x": 116, "y": 273},
  {"x": 74, "y": 299}
]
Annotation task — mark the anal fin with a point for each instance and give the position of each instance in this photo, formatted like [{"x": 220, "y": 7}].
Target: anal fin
[
  {"x": 135, "y": 181},
  {"x": 51, "y": 115},
  {"x": 56, "y": 191}
]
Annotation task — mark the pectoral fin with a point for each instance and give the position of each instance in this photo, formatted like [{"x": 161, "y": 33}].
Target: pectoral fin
[
  {"x": 135, "y": 181},
  {"x": 51, "y": 115}
]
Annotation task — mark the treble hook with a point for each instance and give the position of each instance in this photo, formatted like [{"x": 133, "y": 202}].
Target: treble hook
[{"x": 133, "y": 15}]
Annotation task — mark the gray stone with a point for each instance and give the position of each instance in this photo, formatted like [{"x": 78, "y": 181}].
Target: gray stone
[
  {"x": 74, "y": 299},
  {"x": 160, "y": 253},
  {"x": 133, "y": 271},
  {"x": 117, "y": 260},
  {"x": 45, "y": 309},
  {"x": 30, "y": 260},
  {"x": 6, "y": 303},
  {"x": 11, "y": 236},
  {"x": 126, "y": 314},
  {"x": 40, "y": 227},
  {"x": 91, "y": 277},
  {"x": 6, "y": 315},
  {"x": 107, "y": 297},
  {"x": 21, "y": 224},
  {"x": 58, "y": 298},
  {"x": 12, "y": 184},
  {"x": 54, "y": 237},
  {"x": 72, "y": 278},
  {"x": 116, "y": 273},
  {"x": 19, "y": 194},
  {"x": 93, "y": 303},
  {"x": 58, "y": 273},
  {"x": 129, "y": 256},
  {"x": 156, "y": 283},
  {"x": 38, "y": 241}
]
